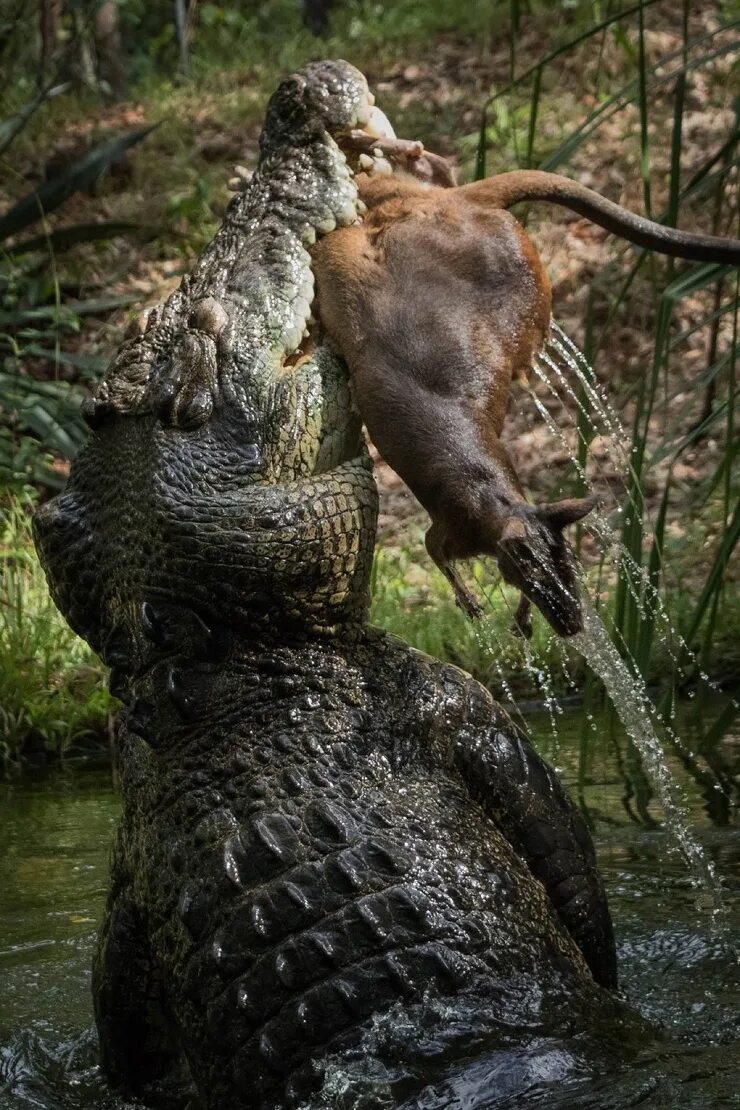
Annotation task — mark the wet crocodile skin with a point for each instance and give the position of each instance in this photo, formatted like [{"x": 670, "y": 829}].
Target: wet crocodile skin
[{"x": 319, "y": 825}]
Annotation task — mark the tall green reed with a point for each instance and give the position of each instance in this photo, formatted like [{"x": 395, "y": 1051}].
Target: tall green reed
[{"x": 638, "y": 613}]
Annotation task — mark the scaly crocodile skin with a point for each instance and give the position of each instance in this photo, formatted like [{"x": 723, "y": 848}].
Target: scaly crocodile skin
[{"x": 319, "y": 825}]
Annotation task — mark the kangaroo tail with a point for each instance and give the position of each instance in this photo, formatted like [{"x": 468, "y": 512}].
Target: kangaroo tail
[{"x": 532, "y": 185}]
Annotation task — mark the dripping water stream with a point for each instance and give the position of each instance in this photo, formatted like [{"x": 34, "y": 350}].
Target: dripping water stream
[
  {"x": 559, "y": 360},
  {"x": 629, "y": 698}
]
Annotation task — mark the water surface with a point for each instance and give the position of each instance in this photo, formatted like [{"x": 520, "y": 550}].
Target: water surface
[{"x": 56, "y": 831}]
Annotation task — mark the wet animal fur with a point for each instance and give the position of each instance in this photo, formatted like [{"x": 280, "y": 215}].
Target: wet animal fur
[{"x": 436, "y": 302}]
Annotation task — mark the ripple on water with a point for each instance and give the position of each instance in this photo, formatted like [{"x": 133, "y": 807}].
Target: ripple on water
[{"x": 57, "y": 834}]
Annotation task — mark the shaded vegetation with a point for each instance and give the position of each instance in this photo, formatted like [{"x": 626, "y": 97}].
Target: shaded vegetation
[
  {"x": 53, "y": 690},
  {"x": 97, "y": 214}
]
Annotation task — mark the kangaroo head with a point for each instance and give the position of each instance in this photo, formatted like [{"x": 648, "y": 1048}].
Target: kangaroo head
[{"x": 533, "y": 555}]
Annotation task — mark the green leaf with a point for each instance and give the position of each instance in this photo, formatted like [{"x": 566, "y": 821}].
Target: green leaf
[
  {"x": 91, "y": 365},
  {"x": 570, "y": 45},
  {"x": 629, "y": 92},
  {"x": 65, "y": 237},
  {"x": 480, "y": 153},
  {"x": 80, "y": 175},
  {"x": 67, "y": 312}
]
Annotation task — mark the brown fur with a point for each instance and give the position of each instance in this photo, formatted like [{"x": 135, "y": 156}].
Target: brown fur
[
  {"x": 436, "y": 302},
  {"x": 435, "y": 306}
]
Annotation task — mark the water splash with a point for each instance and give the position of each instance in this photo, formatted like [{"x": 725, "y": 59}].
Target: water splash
[
  {"x": 604, "y": 419},
  {"x": 629, "y": 697},
  {"x": 558, "y": 362}
]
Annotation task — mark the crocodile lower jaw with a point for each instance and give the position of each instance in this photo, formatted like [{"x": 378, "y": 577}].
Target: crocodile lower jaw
[{"x": 375, "y": 124}]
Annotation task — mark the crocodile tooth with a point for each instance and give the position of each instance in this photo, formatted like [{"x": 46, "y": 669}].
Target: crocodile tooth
[
  {"x": 293, "y": 340},
  {"x": 348, "y": 214},
  {"x": 302, "y": 306},
  {"x": 378, "y": 125},
  {"x": 363, "y": 113},
  {"x": 323, "y": 227},
  {"x": 381, "y": 166}
]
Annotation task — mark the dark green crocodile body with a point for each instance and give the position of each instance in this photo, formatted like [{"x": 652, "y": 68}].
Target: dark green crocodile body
[{"x": 320, "y": 825}]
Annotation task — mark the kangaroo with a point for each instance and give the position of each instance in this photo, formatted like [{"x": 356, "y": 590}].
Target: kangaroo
[{"x": 436, "y": 302}]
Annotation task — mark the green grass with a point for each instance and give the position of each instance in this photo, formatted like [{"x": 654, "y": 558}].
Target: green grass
[
  {"x": 701, "y": 605},
  {"x": 52, "y": 687},
  {"x": 413, "y": 600},
  {"x": 535, "y": 114}
]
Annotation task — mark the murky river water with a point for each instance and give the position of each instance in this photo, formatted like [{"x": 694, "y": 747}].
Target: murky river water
[{"x": 56, "y": 832}]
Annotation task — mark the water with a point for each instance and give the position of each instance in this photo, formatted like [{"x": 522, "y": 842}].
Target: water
[
  {"x": 57, "y": 832},
  {"x": 559, "y": 358},
  {"x": 629, "y": 698}
]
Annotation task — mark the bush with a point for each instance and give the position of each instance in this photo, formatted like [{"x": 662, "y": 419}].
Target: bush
[{"x": 52, "y": 686}]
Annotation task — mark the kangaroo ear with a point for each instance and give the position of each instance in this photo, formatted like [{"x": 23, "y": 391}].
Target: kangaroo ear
[
  {"x": 514, "y": 529},
  {"x": 560, "y": 514}
]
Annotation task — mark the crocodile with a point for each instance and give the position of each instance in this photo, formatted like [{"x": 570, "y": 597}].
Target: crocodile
[{"x": 321, "y": 827}]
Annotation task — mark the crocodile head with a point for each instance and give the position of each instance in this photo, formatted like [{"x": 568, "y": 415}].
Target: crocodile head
[{"x": 225, "y": 485}]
